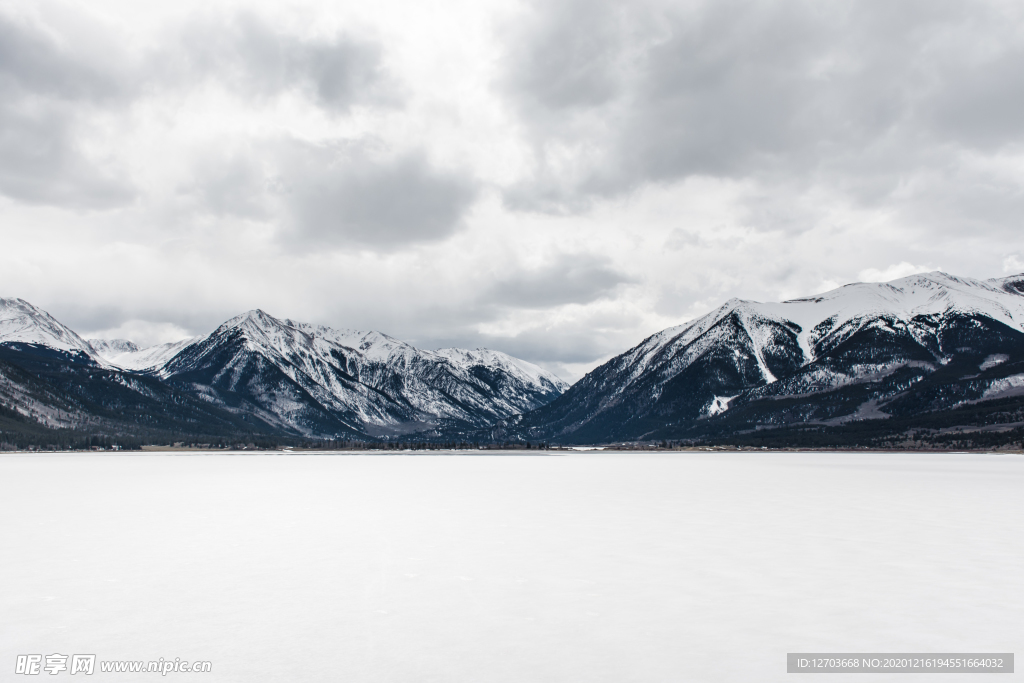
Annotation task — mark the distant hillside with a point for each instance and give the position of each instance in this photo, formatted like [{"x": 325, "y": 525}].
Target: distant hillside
[
  {"x": 254, "y": 376},
  {"x": 865, "y": 363}
]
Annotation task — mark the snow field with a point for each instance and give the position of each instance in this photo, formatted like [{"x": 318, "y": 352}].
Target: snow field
[{"x": 594, "y": 566}]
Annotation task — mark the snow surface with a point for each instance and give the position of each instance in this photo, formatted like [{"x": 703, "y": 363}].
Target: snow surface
[{"x": 597, "y": 567}]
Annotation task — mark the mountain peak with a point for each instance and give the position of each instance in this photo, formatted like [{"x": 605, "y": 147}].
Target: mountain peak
[
  {"x": 863, "y": 346},
  {"x": 23, "y": 323},
  {"x": 255, "y": 319},
  {"x": 256, "y": 314},
  {"x": 108, "y": 347}
]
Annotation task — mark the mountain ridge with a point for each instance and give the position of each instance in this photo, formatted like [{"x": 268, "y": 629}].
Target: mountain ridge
[
  {"x": 310, "y": 380},
  {"x": 386, "y": 385},
  {"x": 745, "y": 351},
  {"x": 866, "y": 363}
]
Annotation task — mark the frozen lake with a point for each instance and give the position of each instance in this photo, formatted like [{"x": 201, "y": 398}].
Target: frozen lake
[{"x": 589, "y": 567}]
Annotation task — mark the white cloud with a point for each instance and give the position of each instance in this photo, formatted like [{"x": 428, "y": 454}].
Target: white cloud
[{"x": 893, "y": 272}]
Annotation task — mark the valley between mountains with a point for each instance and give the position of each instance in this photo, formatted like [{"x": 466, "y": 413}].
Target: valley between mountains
[{"x": 930, "y": 360}]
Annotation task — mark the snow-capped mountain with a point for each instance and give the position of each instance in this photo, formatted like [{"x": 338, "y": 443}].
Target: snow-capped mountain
[
  {"x": 312, "y": 377},
  {"x": 22, "y": 324},
  {"x": 298, "y": 378},
  {"x": 920, "y": 352},
  {"x": 51, "y": 378},
  {"x": 889, "y": 335}
]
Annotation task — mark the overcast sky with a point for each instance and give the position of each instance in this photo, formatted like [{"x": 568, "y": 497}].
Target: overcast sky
[{"x": 556, "y": 179}]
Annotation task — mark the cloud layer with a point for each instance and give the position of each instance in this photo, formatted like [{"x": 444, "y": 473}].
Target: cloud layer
[
  {"x": 339, "y": 195},
  {"x": 553, "y": 179}
]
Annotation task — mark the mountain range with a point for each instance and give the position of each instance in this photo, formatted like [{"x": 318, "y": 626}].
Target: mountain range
[
  {"x": 259, "y": 374},
  {"x": 877, "y": 361},
  {"x": 927, "y": 358}
]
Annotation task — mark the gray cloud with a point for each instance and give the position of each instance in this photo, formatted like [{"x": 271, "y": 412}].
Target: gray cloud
[
  {"x": 241, "y": 50},
  {"x": 979, "y": 103},
  {"x": 564, "y": 55},
  {"x": 253, "y": 56},
  {"x": 344, "y": 194},
  {"x": 230, "y": 183},
  {"x": 712, "y": 89},
  {"x": 55, "y": 84},
  {"x": 856, "y": 97},
  {"x": 572, "y": 279},
  {"x": 41, "y": 163},
  {"x": 330, "y": 195},
  {"x": 32, "y": 61},
  {"x": 45, "y": 90}
]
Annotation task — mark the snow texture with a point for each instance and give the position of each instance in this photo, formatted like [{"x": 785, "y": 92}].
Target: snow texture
[{"x": 598, "y": 567}]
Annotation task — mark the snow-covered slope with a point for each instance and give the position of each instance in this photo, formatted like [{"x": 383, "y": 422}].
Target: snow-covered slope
[
  {"x": 807, "y": 345},
  {"x": 368, "y": 381},
  {"x": 23, "y": 323},
  {"x": 52, "y": 378},
  {"x": 308, "y": 379},
  {"x": 109, "y": 348},
  {"x": 126, "y": 354},
  {"x": 496, "y": 361},
  {"x": 820, "y": 323}
]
